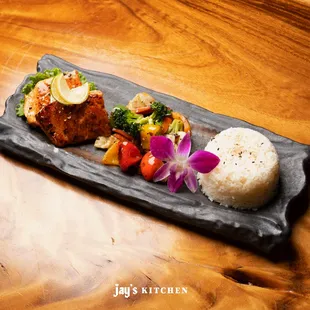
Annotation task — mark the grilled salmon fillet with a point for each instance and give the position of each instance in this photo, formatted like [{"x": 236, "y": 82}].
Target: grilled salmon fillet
[
  {"x": 70, "y": 124},
  {"x": 40, "y": 96}
]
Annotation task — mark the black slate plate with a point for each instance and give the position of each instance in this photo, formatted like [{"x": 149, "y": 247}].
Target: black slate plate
[{"x": 264, "y": 229}]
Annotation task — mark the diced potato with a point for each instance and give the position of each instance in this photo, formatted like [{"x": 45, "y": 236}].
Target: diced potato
[
  {"x": 140, "y": 100},
  {"x": 171, "y": 137},
  {"x": 105, "y": 142},
  {"x": 176, "y": 138},
  {"x": 111, "y": 156},
  {"x": 181, "y": 135}
]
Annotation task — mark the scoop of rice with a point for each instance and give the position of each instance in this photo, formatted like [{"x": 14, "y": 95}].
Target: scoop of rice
[{"x": 248, "y": 172}]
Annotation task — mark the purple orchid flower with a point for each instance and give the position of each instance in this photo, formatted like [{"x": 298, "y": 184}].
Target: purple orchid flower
[{"x": 179, "y": 166}]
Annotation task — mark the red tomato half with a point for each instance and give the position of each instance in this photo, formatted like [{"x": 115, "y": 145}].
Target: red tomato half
[
  {"x": 149, "y": 165},
  {"x": 129, "y": 156}
]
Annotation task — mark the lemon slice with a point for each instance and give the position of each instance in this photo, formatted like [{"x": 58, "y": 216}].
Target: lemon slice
[
  {"x": 63, "y": 94},
  {"x": 54, "y": 90}
]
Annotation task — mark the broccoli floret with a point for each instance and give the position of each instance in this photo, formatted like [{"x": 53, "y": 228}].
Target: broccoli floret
[
  {"x": 175, "y": 126},
  {"x": 157, "y": 116},
  {"x": 159, "y": 112},
  {"x": 145, "y": 120},
  {"x": 123, "y": 118}
]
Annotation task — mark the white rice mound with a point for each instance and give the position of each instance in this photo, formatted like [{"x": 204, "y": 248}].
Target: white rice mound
[{"x": 248, "y": 172}]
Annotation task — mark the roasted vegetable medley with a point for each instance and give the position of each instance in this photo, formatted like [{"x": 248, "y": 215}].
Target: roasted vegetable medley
[{"x": 133, "y": 126}]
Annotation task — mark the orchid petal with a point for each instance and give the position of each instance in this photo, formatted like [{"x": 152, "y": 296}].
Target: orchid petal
[
  {"x": 162, "y": 148},
  {"x": 184, "y": 147},
  {"x": 162, "y": 173},
  {"x": 203, "y": 161},
  {"x": 176, "y": 178},
  {"x": 191, "y": 181}
]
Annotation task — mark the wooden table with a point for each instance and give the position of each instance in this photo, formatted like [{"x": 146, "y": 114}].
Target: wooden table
[{"x": 63, "y": 247}]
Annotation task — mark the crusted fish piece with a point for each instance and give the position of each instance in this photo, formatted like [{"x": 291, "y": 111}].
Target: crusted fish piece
[{"x": 71, "y": 124}]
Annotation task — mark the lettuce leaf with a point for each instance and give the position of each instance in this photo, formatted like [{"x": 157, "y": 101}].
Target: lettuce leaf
[
  {"x": 48, "y": 73},
  {"x": 30, "y": 86},
  {"x": 20, "y": 108},
  {"x": 83, "y": 79}
]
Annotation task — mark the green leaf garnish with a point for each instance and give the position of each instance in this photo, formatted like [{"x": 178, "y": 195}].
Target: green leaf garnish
[
  {"x": 20, "y": 108},
  {"x": 30, "y": 86},
  {"x": 48, "y": 73},
  {"x": 83, "y": 79}
]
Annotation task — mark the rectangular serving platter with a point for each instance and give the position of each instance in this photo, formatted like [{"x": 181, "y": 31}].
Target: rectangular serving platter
[{"x": 265, "y": 229}]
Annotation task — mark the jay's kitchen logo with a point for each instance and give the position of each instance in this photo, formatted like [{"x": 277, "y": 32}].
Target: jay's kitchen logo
[{"x": 127, "y": 291}]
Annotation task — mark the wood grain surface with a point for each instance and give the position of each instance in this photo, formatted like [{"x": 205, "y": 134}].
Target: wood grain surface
[{"x": 63, "y": 246}]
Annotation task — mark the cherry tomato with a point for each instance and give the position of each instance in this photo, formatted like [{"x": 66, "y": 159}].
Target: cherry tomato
[
  {"x": 129, "y": 156},
  {"x": 149, "y": 165}
]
